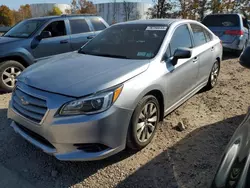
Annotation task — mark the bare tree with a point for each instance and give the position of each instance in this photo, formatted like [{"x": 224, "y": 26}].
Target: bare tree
[
  {"x": 115, "y": 10},
  {"x": 128, "y": 10},
  {"x": 161, "y": 9}
]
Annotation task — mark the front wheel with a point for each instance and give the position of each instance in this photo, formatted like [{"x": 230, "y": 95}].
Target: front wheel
[
  {"x": 143, "y": 123},
  {"x": 9, "y": 70}
]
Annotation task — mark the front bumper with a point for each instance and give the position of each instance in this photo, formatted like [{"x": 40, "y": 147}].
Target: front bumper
[{"x": 60, "y": 135}]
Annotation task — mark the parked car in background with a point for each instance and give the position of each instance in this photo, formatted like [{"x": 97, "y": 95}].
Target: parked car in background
[
  {"x": 233, "y": 170},
  {"x": 92, "y": 104},
  {"x": 232, "y": 29},
  {"x": 34, "y": 39}
]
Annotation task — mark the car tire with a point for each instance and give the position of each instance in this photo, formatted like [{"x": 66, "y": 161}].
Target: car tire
[
  {"x": 9, "y": 70},
  {"x": 143, "y": 123},
  {"x": 213, "y": 77}
]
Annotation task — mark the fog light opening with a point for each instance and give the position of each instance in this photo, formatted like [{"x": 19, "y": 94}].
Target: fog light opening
[{"x": 91, "y": 148}]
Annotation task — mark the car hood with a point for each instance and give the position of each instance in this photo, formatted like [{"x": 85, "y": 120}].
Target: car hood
[
  {"x": 233, "y": 170},
  {"x": 4, "y": 40},
  {"x": 77, "y": 75}
]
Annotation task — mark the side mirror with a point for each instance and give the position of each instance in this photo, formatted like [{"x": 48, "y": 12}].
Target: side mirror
[
  {"x": 181, "y": 53},
  {"x": 245, "y": 58},
  {"x": 45, "y": 34}
]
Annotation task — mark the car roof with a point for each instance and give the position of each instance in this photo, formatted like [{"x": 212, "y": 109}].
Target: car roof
[
  {"x": 63, "y": 16},
  {"x": 222, "y": 14},
  {"x": 152, "y": 21}
]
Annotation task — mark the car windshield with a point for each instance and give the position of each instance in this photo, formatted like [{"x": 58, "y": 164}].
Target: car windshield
[
  {"x": 128, "y": 41},
  {"x": 221, "y": 21},
  {"x": 24, "y": 29}
]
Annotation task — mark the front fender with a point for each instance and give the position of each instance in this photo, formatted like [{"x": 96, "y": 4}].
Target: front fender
[{"x": 19, "y": 52}]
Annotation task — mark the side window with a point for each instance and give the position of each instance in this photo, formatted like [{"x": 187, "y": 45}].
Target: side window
[
  {"x": 199, "y": 35},
  {"x": 208, "y": 35},
  {"x": 180, "y": 38},
  {"x": 56, "y": 28},
  {"x": 79, "y": 26},
  {"x": 245, "y": 23},
  {"x": 97, "y": 24}
]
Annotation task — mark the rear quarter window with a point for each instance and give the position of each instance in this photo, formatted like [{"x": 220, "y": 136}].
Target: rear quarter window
[
  {"x": 221, "y": 21},
  {"x": 97, "y": 24}
]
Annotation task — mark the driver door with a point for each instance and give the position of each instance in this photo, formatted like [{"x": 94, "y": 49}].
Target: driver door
[
  {"x": 181, "y": 79},
  {"x": 56, "y": 44}
]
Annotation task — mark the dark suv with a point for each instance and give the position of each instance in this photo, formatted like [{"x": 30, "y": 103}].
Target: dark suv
[{"x": 39, "y": 38}]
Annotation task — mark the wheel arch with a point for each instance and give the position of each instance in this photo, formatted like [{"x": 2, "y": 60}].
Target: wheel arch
[
  {"x": 15, "y": 58},
  {"x": 159, "y": 96}
]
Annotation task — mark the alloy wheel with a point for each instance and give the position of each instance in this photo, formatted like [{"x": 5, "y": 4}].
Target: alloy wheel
[
  {"x": 9, "y": 76},
  {"x": 215, "y": 74},
  {"x": 147, "y": 122}
]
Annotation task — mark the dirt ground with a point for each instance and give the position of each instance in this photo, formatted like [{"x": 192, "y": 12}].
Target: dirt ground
[{"x": 186, "y": 159}]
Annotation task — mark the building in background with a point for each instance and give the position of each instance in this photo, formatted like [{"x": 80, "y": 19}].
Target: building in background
[
  {"x": 114, "y": 11},
  {"x": 43, "y": 9}
]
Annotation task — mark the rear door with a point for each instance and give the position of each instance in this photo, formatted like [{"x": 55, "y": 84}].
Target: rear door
[
  {"x": 81, "y": 32},
  {"x": 205, "y": 51},
  {"x": 227, "y": 26}
]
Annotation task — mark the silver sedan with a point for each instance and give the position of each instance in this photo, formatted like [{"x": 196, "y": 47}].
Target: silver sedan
[{"x": 112, "y": 93}]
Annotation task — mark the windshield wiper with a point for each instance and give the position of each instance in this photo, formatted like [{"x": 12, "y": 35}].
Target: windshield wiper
[{"x": 106, "y": 55}]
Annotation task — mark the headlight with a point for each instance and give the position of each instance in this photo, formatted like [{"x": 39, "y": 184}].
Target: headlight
[{"x": 93, "y": 104}]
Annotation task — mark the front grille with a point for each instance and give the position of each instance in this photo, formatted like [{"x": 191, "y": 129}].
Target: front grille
[
  {"x": 28, "y": 105},
  {"x": 35, "y": 136}
]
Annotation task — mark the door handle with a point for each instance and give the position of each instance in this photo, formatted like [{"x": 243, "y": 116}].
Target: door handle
[
  {"x": 64, "y": 41},
  {"x": 212, "y": 49},
  {"x": 195, "y": 59},
  {"x": 90, "y": 37}
]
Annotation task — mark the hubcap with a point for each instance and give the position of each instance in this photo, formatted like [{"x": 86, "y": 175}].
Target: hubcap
[
  {"x": 147, "y": 122},
  {"x": 9, "y": 76},
  {"x": 214, "y": 74}
]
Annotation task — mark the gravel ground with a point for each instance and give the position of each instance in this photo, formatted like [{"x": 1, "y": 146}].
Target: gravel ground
[{"x": 185, "y": 159}]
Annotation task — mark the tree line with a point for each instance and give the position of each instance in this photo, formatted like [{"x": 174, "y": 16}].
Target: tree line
[
  {"x": 189, "y": 9},
  {"x": 197, "y": 9},
  {"x": 10, "y": 17}
]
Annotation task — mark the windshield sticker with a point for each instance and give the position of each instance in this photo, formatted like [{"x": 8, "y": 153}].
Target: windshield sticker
[
  {"x": 156, "y": 28},
  {"x": 149, "y": 54},
  {"x": 141, "y": 54}
]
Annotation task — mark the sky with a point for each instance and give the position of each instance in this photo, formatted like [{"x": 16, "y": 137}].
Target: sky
[{"x": 15, "y": 4}]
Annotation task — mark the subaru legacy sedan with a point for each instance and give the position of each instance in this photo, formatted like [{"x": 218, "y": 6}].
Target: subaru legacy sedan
[{"x": 112, "y": 93}]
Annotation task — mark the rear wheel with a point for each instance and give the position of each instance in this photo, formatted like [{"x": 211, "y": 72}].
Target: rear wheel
[
  {"x": 9, "y": 70},
  {"x": 214, "y": 74},
  {"x": 143, "y": 123}
]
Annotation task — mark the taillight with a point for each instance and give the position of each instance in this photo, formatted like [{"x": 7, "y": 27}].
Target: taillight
[{"x": 234, "y": 32}]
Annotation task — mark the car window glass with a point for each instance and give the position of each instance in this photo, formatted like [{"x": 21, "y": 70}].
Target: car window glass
[
  {"x": 245, "y": 23},
  {"x": 180, "y": 38},
  {"x": 25, "y": 28},
  {"x": 221, "y": 21},
  {"x": 199, "y": 35},
  {"x": 208, "y": 35},
  {"x": 97, "y": 24},
  {"x": 79, "y": 26},
  {"x": 131, "y": 41},
  {"x": 56, "y": 28}
]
